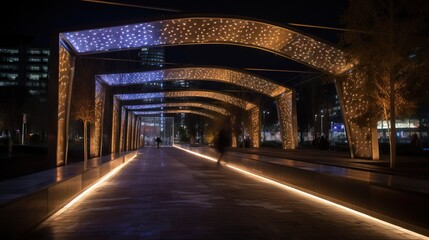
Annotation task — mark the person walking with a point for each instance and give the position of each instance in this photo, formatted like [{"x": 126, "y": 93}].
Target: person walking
[
  {"x": 223, "y": 142},
  {"x": 158, "y": 141}
]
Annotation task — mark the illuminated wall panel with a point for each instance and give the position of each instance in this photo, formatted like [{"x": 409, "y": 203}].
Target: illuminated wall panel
[
  {"x": 233, "y": 131},
  {"x": 122, "y": 128},
  {"x": 255, "y": 121},
  {"x": 361, "y": 135},
  {"x": 115, "y": 125},
  {"x": 286, "y": 108},
  {"x": 210, "y": 30},
  {"x": 96, "y": 141},
  {"x": 128, "y": 136},
  {"x": 65, "y": 81}
]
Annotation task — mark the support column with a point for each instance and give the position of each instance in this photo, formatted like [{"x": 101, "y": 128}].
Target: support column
[
  {"x": 123, "y": 128},
  {"x": 128, "y": 136},
  {"x": 143, "y": 134},
  {"x": 255, "y": 126},
  {"x": 96, "y": 139},
  {"x": 106, "y": 133},
  {"x": 133, "y": 133},
  {"x": 286, "y": 109},
  {"x": 115, "y": 126},
  {"x": 65, "y": 83},
  {"x": 139, "y": 133},
  {"x": 233, "y": 131},
  {"x": 361, "y": 129}
]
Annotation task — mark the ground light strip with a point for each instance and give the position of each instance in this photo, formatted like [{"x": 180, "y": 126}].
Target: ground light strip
[
  {"x": 92, "y": 188},
  {"x": 312, "y": 196}
]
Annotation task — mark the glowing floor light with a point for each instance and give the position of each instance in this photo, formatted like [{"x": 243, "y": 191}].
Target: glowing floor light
[
  {"x": 305, "y": 194},
  {"x": 92, "y": 188}
]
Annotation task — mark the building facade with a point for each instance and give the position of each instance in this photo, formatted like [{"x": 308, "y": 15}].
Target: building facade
[{"x": 25, "y": 67}]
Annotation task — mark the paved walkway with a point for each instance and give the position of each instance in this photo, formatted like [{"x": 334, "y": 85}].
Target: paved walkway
[{"x": 170, "y": 194}]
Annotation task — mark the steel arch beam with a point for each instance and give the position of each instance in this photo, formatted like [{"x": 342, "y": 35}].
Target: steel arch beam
[
  {"x": 211, "y": 30},
  {"x": 218, "y": 74},
  {"x": 202, "y": 105},
  {"x": 190, "y": 93},
  {"x": 145, "y": 113}
]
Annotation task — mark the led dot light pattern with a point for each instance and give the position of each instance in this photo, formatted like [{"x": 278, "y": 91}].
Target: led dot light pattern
[
  {"x": 181, "y": 104},
  {"x": 64, "y": 82},
  {"x": 192, "y": 93},
  {"x": 355, "y": 107},
  {"x": 139, "y": 113},
  {"x": 255, "y": 117},
  {"x": 115, "y": 123},
  {"x": 100, "y": 93},
  {"x": 211, "y": 30},
  {"x": 284, "y": 105},
  {"x": 242, "y": 79}
]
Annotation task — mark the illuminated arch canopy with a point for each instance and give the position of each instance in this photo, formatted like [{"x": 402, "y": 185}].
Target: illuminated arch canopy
[
  {"x": 235, "y": 77},
  {"x": 211, "y": 30},
  {"x": 210, "y": 107},
  {"x": 140, "y": 113},
  {"x": 190, "y": 93}
]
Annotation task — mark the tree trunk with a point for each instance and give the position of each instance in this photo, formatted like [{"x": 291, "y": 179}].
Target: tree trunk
[
  {"x": 392, "y": 96},
  {"x": 85, "y": 145},
  {"x": 392, "y": 126}
]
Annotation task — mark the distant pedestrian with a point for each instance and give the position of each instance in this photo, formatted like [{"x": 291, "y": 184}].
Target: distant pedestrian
[
  {"x": 415, "y": 142},
  {"x": 223, "y": 142},
  {"x": 158, "y": 141}
]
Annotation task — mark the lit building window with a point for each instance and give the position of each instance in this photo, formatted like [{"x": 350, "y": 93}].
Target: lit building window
[
  {"x": 12, "y": 59},
  {"x": 9, "y": 51},
  {"x": 33, "y": 59},
  {"x": 33, "y": 68},
  {"x": 33, "y": 76},
  {"x": 34, "y": 51},
  {"x": 9, "y": 76},
  {"x": 9, "y": 67}
]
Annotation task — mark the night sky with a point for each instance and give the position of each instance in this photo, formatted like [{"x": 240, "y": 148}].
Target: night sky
[
  {"x": 41, "y": 17},
  {"x": 38, "y": 20}
]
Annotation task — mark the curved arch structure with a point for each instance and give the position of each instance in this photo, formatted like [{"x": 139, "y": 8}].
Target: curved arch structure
[
  {"x": 211, "y": 30},
  {"x": 190, "y": 31},
  {"x": 190, "y": 93},
  {"x": 210, "y": 107},
  {"x": 239, "y": 78},
  {"x": 140, "y": 113}
]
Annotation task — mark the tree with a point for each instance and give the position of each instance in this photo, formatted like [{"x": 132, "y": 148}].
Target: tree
[
  {"x": 83, "y": 108},
  {"x": 211, "y": 129},
  {"x": 387, "y": 40}
]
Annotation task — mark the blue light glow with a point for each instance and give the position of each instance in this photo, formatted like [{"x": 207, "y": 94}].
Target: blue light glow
[{"x": 207, "y": 30}]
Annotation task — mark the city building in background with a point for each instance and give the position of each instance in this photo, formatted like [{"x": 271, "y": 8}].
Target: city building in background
[
  {"x": 25, "y": 67},
  {"x": 152, "y": 57}
]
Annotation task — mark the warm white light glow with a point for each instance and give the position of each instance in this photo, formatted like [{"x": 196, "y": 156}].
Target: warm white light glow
[
  {"x": 92, "y": 188},
  {"x": 211, "y": 30},
  {"x": 189, "y": 93},
  {"x": 304, "y": 194},
  {"x": 243, "y": 79}
]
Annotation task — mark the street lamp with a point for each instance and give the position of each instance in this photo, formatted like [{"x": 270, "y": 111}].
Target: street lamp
[
  {"x": 24, "y": 124},
  {"x": 263, "y": 122}
]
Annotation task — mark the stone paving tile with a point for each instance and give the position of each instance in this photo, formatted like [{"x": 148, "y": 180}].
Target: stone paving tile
[{"x": 169, "y": 194}]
